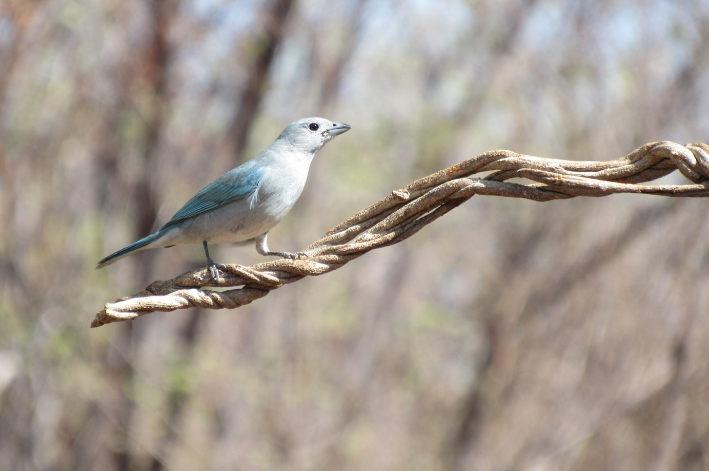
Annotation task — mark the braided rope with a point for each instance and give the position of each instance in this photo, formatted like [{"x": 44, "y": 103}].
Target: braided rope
[{"x": 404, "y": 212}]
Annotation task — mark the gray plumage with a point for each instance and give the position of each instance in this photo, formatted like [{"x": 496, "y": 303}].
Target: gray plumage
[{"x": 245, "y": 203}]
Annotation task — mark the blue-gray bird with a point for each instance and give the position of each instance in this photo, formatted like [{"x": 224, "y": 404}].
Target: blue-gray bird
[{"x": 245, "y": 203}]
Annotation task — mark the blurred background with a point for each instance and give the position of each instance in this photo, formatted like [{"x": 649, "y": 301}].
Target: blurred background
[{"x": 509, "y": 335}]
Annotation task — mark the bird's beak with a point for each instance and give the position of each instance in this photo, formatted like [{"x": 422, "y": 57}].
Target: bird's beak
[{"x": 338, "y": 128}]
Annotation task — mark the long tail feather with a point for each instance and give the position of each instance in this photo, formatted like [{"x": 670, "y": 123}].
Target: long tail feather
[{"x": 142, "y": 243}]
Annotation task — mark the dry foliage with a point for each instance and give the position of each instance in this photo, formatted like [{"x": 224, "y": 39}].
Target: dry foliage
[{"x": 510, "y": 335}]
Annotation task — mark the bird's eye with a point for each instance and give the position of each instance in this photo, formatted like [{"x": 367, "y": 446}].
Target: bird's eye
[{"x": 313, "y": 126}]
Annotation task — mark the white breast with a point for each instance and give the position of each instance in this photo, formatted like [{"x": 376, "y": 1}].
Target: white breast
[{"x": 278, "y": 190}]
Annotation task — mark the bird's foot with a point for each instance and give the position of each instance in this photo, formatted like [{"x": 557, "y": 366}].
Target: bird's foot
[
  {"x": 290, "y": 255},
  {"x": 214, "y": 269},
  {"x": 295, "y": 256}
]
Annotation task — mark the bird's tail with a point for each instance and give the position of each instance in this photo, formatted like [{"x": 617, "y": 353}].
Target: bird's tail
[{"x": 141, "y": 244}]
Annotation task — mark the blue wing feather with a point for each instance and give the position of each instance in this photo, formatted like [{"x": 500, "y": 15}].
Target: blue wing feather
[{"x": 234, "y": 185}]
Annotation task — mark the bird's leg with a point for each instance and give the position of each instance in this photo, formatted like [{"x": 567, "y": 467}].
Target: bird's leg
[
  {"x": 213, "y": 267},
  {"x": 262, "y": 248}
]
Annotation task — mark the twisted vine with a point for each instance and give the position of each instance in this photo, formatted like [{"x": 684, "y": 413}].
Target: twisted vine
[{"x": 404, "y": 212}]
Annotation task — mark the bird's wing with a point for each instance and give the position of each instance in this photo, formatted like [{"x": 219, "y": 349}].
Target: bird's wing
[{"x": 234, "y": 185}]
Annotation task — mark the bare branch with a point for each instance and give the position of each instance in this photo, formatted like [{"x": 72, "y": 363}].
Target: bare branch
[{"x": 404, "y": 212}]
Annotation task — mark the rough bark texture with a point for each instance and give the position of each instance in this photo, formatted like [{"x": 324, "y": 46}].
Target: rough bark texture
[{"x": 404, "y": 212}]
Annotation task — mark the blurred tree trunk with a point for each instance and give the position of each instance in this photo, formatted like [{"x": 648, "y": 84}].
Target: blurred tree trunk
[
  {"x": 19, "y": 15},
  {"x": 152, "y": 73},
  {"x": 274, "y": 15},
  {"x": 512, "y": 335},
  {"x": 264, "y": 45},
  {"x": 150, "y": 79}
]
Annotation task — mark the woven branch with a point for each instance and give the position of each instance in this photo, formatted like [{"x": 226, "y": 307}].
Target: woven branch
[{"x": 404, "y": 212}]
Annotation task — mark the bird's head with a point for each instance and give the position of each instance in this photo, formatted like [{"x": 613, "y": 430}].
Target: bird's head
[{"x": 310, "y": 134}]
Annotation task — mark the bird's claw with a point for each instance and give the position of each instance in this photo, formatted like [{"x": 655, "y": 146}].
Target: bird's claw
[
  {"x": 295, "y": 256},
  {"x": 214, "y": 270}
]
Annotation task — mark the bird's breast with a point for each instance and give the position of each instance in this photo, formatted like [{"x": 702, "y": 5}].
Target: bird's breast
[{"x": 242, "y": 220}]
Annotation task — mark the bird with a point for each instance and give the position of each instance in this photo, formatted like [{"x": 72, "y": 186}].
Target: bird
[{"x": 244, "y": 204}]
